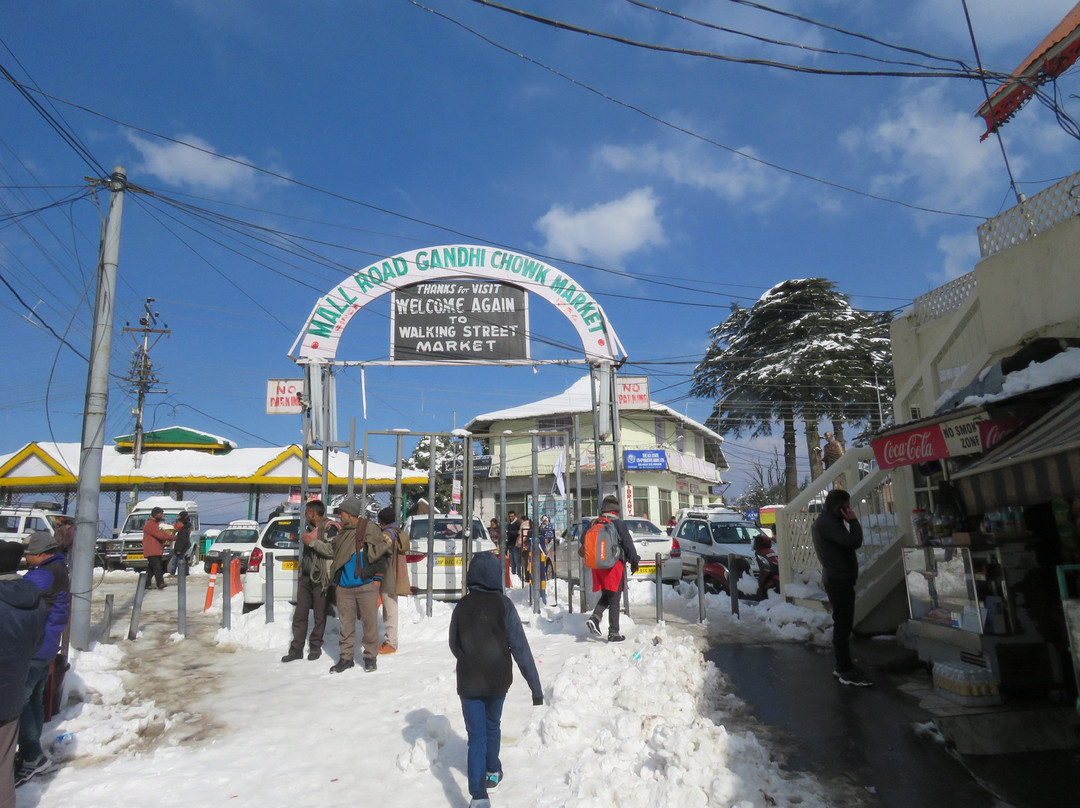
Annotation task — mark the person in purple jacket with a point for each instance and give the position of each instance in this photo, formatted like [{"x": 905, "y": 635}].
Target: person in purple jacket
[
  {"x": 22, "y": 628},
  {"x": 48, "y": 572}
]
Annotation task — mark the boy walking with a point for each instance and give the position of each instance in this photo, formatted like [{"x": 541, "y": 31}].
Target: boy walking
[{"x": 485, "y": 632}]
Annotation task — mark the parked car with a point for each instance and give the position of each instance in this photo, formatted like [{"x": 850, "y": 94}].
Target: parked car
[
  {"x": 649, "y": 540},
  {"x": 713, "y": 534},
  {"x": 125, "y": 549},
  {"x": 281, "y": 537},
  {"x": 239, "y": 538},
  {"x": 17, "y": 522},
  {"x": 448, "y": 571}
]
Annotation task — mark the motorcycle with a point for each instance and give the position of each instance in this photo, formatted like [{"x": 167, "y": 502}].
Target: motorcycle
[
  {"x": 768, "y": 567},
  {"x": 765, "y": 567}
]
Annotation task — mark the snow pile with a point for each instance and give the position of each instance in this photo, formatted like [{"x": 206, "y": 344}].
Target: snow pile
[{"x": 216, "y": 718}]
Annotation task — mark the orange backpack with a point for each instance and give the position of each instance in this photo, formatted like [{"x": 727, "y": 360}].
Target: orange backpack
[{"x": 601, "y": 544}]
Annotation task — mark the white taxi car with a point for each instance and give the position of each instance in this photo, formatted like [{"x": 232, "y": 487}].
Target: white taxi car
[
  {"x": 448, "y": 570},
  {"x": 281, "y": 537},
  {"x": 649, "y": 540}
]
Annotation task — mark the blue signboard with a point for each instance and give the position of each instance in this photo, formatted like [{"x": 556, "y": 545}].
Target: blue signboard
[
  {"x": 753, "y": 515},
  {"x": 645, "y": 459}
]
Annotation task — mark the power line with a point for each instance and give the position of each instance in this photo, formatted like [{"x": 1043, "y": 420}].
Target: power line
[{"x": 657, "y": 119}]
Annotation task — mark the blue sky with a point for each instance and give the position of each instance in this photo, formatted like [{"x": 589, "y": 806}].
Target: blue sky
[{"x": 380, "y": 127}]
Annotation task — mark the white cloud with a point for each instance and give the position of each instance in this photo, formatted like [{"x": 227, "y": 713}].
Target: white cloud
[
  {"x": 186, "y": 166},
  {"x": 926, "y": 143},
  {"x": 608, "y": 231},
  {"x": 961, "y": 252},
  {"x": 1005, "y": 29},
  {"x": 733, "y": 179}
]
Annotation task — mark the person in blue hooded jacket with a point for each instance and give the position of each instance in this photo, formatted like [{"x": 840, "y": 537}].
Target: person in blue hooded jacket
[
  {"x": 22, "y": 629},
  {"x": 485, "y": 632}
]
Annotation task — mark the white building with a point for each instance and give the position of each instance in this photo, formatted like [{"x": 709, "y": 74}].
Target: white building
[{"x": 668, "y": 461}]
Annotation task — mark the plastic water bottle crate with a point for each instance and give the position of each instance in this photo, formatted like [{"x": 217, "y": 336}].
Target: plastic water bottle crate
[{"x": 965, "y": 684}]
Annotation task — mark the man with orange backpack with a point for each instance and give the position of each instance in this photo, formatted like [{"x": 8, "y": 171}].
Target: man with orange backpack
[{"x": 610, "y": 580}]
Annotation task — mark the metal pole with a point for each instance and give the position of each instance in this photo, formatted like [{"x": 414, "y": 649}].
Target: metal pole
[
  {"x": 363, "y": 482},
  {"x": 431, "y": 518},
  {"x": 181, "y": 597},
  {"x": 226, "y": 589},
  {"x": 93, "y": 432},
  {"x": 733, "y": 582},
  {"x": 583, "y": 597},
  {"x": 136, "y": 609},
  {"x": 109, "y": 599},
  {"x": 350, "y": 486},
  {"x": 701, "y": 588},
  {"x": 397, "y": 478},
  {"x": 268, "y": 589},
  {"x": 503, "y": 549},
  {"x": 534, "y": 578},
  {"x": 659, "y": 589},
  {"x": 466, "y": 507},
  {"x": 597, "y": 459}
]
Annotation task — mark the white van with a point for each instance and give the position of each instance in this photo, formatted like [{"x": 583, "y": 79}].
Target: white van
[{"x": 125, "y": 548}]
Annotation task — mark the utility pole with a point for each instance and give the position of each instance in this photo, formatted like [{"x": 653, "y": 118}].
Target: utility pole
[
  {"x": 93, "y": 433},
  {"x": 142, "y": 377}
]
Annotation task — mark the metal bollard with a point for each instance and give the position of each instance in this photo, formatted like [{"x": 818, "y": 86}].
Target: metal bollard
[
  {"x": 108, "y": 615},
  {"x": 136, "y": 609},
  {"x": 733, "y": 572},
  {"x": 569, "y": 582},
  {"x": 701, "y": 588},
  {"x": 181, "y": 597},
  {"x": 583, "y": 597},
  {"x": 659, "y": 589},
  {"x": 226, "y": 590},
  {"x": 268, "y": 593}
]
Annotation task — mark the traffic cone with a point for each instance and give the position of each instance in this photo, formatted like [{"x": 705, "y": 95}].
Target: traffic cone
[
  {"x": 235, "y": 585},
  {"x": 210, "y": 587}
]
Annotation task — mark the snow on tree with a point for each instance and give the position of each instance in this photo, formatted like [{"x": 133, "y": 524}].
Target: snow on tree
[{"x": 800, "y": 352}]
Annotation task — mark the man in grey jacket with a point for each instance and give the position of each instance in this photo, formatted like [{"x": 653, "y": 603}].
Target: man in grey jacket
[{"x": 837, "y": 535}]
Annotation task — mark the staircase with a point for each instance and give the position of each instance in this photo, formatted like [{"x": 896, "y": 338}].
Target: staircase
[{"x": 881, "y": 570}]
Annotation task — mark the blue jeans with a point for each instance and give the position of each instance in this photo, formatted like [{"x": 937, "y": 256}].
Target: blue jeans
[
  {"x": 33, "y": 712},
  {"x": 482, "y": 717}
]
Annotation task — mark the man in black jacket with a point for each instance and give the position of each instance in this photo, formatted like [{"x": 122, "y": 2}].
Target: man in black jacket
[
  {"x": 485, "y": 632},
  {"x": 837, "y": 535}
]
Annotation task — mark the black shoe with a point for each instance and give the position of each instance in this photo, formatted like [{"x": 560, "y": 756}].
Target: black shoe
[
  {"x": 593, "y": 624},
  {"x": 313, "y": 654},
  {"x": 615, "y": 637},
  {"x": 292, "y": 656},
  {"x": 342, "y": 665},
  {"x": 853, "y": 677},
  {"x": 370, "y": 664}
]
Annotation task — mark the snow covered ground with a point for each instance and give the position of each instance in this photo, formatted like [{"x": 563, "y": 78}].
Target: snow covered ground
[{"x": 217, "y": 719}]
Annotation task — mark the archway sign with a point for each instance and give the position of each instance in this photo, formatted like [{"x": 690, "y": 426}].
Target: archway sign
[{"x": 318, "y": 342}]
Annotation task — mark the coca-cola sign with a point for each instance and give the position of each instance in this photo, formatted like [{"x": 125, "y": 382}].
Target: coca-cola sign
[
  {"x": 961, "y": 436},
  {"x": 915, "y": 446}
]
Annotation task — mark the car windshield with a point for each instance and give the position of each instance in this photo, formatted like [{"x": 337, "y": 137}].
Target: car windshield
[
  {"x": 283, "y": 535},
  {"x": 238, "y": 535},
  {"x": 643, "y": 527},
  {"x": 136, "y": 521},
  {"x": 444, "y": 529},
  {"x": 733, "y": 532}
]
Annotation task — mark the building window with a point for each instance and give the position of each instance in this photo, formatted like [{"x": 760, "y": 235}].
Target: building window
[
  {"x": 699, "y": 447},
  {"x": 557, "y": 422},
  {"x": 665, "y": 508},
  {"x": 658, "y": 425},
  {"x": 641, "y": 500},
  {"x": 680, "y": 437},
  {"x": 684, "y": 500}
]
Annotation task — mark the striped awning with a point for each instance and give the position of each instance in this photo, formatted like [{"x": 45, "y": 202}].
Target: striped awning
[{"x": 1035, "y": 465}]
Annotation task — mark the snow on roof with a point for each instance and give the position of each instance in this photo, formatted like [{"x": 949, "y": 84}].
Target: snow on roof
[
  {"x": 1063, "y": 367},
  {"x": 575, "y": 399},
  {"x": 193, "y": 465}
]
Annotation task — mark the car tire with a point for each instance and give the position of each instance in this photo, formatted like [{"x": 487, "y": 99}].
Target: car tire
[{"x": 250, "y": 607}]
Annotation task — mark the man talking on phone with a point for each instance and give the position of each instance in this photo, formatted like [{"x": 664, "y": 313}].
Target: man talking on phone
[{"x": 837, "y": 534}]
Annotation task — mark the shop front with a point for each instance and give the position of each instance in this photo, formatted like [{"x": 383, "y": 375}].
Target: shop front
[{"x": 991, "y": 543}]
